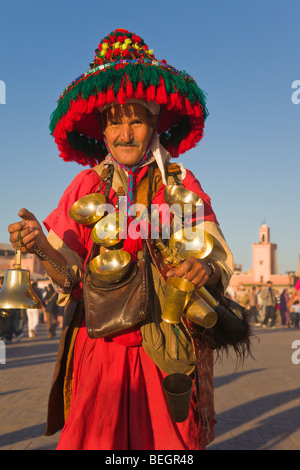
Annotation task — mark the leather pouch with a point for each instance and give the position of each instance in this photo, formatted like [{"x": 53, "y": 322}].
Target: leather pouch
[{"x": 113, "y": 308}]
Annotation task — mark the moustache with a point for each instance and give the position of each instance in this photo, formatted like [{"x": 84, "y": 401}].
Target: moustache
[{"x": 120, "y": 143}]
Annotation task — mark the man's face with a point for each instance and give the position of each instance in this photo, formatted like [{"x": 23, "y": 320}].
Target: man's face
[{"x": 128, "y": 129}]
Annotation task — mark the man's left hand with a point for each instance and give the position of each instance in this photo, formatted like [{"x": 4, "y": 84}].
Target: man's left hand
[{"x": 192, "y": 269}]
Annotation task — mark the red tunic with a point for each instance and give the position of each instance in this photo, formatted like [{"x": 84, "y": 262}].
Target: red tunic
[{"x": 117, "y": 398}]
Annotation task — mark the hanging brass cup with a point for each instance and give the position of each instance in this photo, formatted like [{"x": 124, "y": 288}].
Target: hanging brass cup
[
  {"x": 108, "y": 231},
  {"x": 88, "y": 209},
  {"x": 187, "y": 200},
  {"x": 191, "y": 242},
  {"x": 177, "y": 294},
  {"x": 110, "y": 266},
  {"x": 177, "y": 390},
  {"x": 198, "y": 311}
]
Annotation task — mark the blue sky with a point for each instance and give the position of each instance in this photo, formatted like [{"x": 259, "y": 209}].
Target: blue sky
[{"x": 244, "y": 54}]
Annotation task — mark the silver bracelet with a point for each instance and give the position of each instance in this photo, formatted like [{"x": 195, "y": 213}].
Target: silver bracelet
[
  {"x": 66, "y": 272},
  {"x": 212, "y": 268}
]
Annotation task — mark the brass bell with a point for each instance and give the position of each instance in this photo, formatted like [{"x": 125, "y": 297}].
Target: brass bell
[{"x": 16, "y": 291}]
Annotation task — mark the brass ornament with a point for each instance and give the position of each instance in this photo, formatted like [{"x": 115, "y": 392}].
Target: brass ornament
[{"x": 88, "y": 209}]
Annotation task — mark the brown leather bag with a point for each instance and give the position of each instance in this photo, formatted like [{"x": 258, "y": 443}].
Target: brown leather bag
[{"x": 113, "y": 308}]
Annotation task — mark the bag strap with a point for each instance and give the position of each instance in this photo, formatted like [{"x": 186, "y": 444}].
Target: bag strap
[
  {"x": 106, "y": 177},
  {"x": 173, "y": 174}
]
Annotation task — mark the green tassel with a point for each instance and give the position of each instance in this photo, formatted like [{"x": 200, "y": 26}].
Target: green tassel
[{"x": 147, "y": 74}]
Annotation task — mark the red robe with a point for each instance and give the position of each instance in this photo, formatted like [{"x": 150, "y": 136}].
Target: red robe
[{"x": 117, "y": 398}]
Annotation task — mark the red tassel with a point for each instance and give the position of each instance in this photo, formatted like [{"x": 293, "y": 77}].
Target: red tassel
[
  {"x": 91, "y": 103},
  {"x": 188, "y": 107},
  {"x": 129, "y": 89},
  {"x": 150, "y": 95},
  {"x": 101, "y": 99},
  {"x": 121, "y": 96},
  {"x": 110, "y": 96},
  {"x": 176, "y": 101},
  {"x": 139, "y": 92},
  {"x": 161, "y": 93}
]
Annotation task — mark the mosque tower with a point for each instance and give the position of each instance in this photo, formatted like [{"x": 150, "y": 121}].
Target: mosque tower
[{"x": 264, "y": 256}]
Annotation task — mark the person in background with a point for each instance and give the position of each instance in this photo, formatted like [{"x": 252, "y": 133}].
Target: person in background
[
  {"x": 51, "y": 309},
  {"x": 33, "y": 315},
  {"x": 294, "y": 308},
  {"x": 253, "y": 308},
  {"x": 260, "y": 304},
  {"x": 270, "y": 299},
  {"x": 11, "y": 323},
  {"x": 284, "y": 311}
]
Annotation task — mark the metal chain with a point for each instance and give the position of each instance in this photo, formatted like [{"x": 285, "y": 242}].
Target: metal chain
[{"x": 66, "y": 272}]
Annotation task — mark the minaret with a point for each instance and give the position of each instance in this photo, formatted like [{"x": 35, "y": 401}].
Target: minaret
[{"x": 264, "y": 256}]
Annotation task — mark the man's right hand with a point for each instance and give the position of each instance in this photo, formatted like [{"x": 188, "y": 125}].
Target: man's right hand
[{"x": 30, "y": 230}]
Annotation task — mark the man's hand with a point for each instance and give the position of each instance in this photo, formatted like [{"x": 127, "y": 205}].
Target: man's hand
[
  {"x": 192, "y": 269},
  {"x": 31, "y": 232}
]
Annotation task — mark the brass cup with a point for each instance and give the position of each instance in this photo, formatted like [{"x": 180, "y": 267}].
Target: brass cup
[
  {"x": 192, "y": 242},
  {"x": 177, "y": 390},
  {"x": 108, "y": 230},
  {"x": 179, "y": 195},
  {"x": 198, "y": 311},
  {"x": 177, "y": 294},
  {"x": 110, "y": 266},
  {"x": 88, "y": 209}
]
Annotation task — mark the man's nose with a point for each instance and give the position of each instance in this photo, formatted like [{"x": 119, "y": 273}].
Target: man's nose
[{"x": 126, "y": 133}]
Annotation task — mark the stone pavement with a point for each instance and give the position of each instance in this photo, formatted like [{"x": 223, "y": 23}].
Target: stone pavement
[
  {"x": 24, "y": 385},
  {"x": 257, "y": 404}
]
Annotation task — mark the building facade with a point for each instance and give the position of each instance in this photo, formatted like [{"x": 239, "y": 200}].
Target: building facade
[
  {"x": 264, "y": 266},
  {"x": 28, "y": 261}
]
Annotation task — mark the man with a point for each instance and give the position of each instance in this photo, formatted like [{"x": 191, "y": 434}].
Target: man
[
  {"x": 270, "y": 305},
  {"x": 294, "y": 306},
  {"x": 261, "y": 304},
  {"x": 130, "y": 113},
  {"x": 11, "y": 324},
  {"x": 253, "y": 310}
]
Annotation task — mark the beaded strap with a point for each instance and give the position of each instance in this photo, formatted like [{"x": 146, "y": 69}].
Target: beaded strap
[{"x": 183, "y": 74}]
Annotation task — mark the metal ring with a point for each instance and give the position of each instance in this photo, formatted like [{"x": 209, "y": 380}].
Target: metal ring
[{"x": 183, "y": 365}]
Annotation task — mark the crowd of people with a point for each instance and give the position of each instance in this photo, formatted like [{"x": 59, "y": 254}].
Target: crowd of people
[
  {"x": 13, "y": 322},
  {"x": 268, "y": 307}
]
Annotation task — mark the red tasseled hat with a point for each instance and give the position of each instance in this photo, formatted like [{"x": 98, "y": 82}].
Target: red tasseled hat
[{"x": 124, "y": 68}]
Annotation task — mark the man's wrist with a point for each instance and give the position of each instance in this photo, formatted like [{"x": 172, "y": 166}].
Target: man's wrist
[{"x": 212, "y": 269}]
